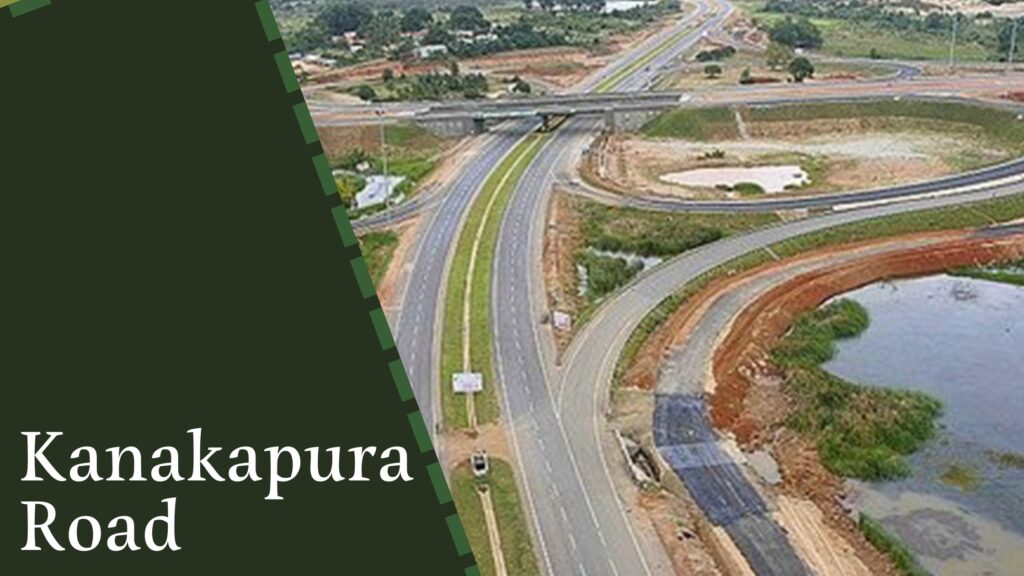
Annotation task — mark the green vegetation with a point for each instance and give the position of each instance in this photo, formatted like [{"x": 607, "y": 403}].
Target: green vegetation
[
  {"x": 861, "y": 432},
  {"x": 879, "y": 30},
  {"x": 605, "y": 274},
  {"x": 515, "y": 535},
  {"x": 961, "y": 476},
  {"x": 412, "y": 152},
  {"x": 351, "y": 32},
  {"x": 1010, "y": 273},
  {"x": 613, "y": 80},
  {"x": 658, "y": 233},
  {"x": 1006, "y": 459},
  {"x": 497, "y": 189},
  {"x": 947, "y": 218},
  {"x": 699, "y": 124},
  {"x": 378, "y": 248},
  {"x": 748, "y": 189},
  {"x": 889, "y": 545}
]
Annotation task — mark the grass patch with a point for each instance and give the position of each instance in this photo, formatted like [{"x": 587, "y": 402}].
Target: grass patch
[
  {"x": 605, "y": 274},
  {"x": 861, "y": 432},
  {"x": 650, "y": 233},
  {"x": 1006, "y": 459},
  {"x": 1011, "y": 273},
  {"x": 697, "y": 124},
  {"x": 498, "y": 186},
  {"x": 946, "y": 218},
  {"x": 515, "y": 536},
  {"x": 748, "y": 189},
  {"x": 961, "y": 476},
  {"x": 889, "y": 545},
  {"x": 378, "y": 248}
]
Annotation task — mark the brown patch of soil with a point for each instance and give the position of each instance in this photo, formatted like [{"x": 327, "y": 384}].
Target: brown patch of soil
[
  {"x": 459, "y": 445},
  {"x": 393, "y": 279},
  {"x": 562, "y": 239}
]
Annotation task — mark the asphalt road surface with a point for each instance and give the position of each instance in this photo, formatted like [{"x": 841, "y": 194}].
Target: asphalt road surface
[{"x": 580, "y": 530}]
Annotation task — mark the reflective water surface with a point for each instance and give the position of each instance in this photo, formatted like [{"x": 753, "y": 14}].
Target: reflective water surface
[{"x": 962, "y": 341}]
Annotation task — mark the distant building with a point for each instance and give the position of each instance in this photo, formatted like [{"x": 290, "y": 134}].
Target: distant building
[
  {"x": 377, "y": 191},
  {"x": 431, "y": 50}
]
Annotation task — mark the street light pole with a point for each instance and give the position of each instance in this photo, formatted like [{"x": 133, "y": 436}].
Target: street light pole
[
  {"x": 384, "y": 155},
  {"x": 952, "y": 42},
  {"x": 1013, "y": 42}
]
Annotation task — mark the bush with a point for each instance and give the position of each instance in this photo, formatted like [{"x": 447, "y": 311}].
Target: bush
[
  {"x": 861, "y": 432},
  {"x": 605, "y": 274}
]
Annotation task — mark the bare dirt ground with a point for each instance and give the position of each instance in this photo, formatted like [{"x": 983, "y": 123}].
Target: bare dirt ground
[
  {"x": 839, "y": 156},
  {"x": 562, "y": 239},
  {"x": 392, "y": 284},
  {"x": 459, "y": 445}
]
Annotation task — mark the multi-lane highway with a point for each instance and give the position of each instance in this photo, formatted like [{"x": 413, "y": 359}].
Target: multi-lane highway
[
  {"x": 579, "y": 521},
  {"x": 554, "y": 415}
]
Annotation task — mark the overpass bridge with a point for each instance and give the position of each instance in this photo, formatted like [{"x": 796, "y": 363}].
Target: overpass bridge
[
  {"x": 462, "y": 117},
  {"x": 472, "y": 116}
]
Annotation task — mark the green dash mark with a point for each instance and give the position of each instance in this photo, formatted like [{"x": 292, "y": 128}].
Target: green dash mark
[
  {"x": 323, "y": 172},
  {"x": 444, "y": 495},
  {"x": 267, "y": 20},
  {"x": 380, "y": 325},
  {"x": 305, "y": 122},
  {"x": 419, "y": 430},
  {"x": 348, "y": 236},
  {"x": 362, "y": 275},
  {"x": 401, "y": 380},
  {"x": 472, "y": 571},
  {"x": 19, "y": 7},
  {"x": 284, "y": 67},
  {"x": 458, "y": 534}
]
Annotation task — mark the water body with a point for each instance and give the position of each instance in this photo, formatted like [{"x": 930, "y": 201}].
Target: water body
[
  {"x": 962, "y": 341},
  {"x": 623, "y": 5},
  {"x": 770, "y": 178}
]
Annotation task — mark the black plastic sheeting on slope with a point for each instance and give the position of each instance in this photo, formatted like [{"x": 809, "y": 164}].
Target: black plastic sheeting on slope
[
  {"x": 681, "y": 419},
  {"x": 765, "y": 546},
  {"x": 688, "y": 443}
]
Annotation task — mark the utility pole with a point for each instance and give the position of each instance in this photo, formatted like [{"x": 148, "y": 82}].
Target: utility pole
[
  {"x": 952, "y": 42},
  {"x": 1013, "y": 42},
  {"x": 384, "y": 155}
]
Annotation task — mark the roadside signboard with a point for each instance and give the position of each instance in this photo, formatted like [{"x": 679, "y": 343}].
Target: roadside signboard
[{"x": 467, "y": 382}]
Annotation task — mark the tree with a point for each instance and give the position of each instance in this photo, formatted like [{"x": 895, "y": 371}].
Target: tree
[
  {"x": 801, "y": 69},
  {"x": 778, "y": 55},
  {"x": 468, "y": 18},
  {"x": 520, "y": 86},
  {"x": 338, "y": 19},
  {"x": 382, "y": 30},
  {"x": 801, "y": 33},
  {"x": 416, "y": 19},
  {"x": 387, "y": 75},
  {"x": 713, "y": 70},
  {"x": 366, "y": 93},
  {"x": 528, "y": 4},
  {"x": 746, "y": 77}
]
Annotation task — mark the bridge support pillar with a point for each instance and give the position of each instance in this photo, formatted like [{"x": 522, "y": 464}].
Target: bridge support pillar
[{"x": 609, "y": 120}]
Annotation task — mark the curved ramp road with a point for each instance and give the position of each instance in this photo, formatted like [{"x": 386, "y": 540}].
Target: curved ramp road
[
  {"x": 581, "y": 529},
  {"x": 590, "y": 361}
]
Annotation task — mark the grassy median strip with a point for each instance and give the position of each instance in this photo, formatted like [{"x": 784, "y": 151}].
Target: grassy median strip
[
  {"x": 613, "y": 80},
  {"x": 498, "y": 188},
  {"x": 515, "y": 535},
  {"x": 947, "y": 218}
]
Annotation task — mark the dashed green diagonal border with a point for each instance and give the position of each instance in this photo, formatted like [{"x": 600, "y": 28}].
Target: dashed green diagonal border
[
  {"x": 20, "y": 7},
  {"x": 447, "y": 513}
]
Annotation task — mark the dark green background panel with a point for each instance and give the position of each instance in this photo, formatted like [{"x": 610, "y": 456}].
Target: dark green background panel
[{"x": 170, "y": 262}]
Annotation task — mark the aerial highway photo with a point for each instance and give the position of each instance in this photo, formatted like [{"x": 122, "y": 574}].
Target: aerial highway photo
[{"x": 696, "y": 286}]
